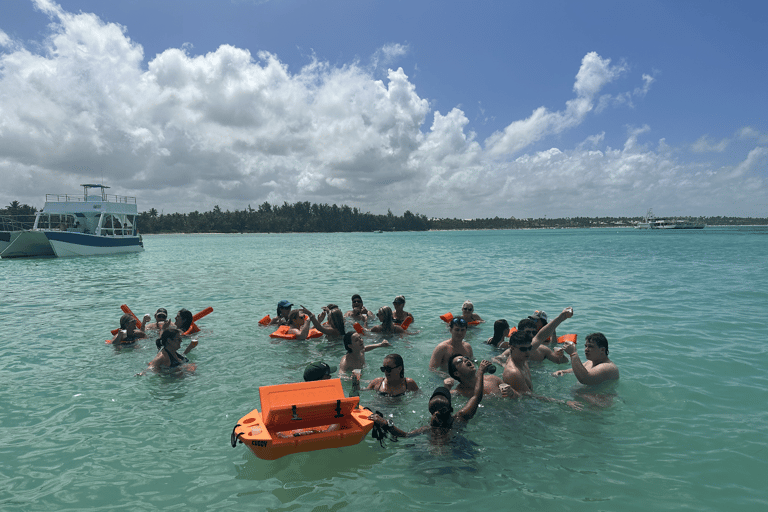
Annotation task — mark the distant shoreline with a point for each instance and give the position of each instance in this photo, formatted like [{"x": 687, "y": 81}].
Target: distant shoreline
[{"x": 446, "y": 230}]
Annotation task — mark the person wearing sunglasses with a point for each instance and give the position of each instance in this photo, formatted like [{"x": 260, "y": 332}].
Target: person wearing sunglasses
[
  {"x": 442, "y": 422},
  {"x": 516, "y": 371},
  {"x": 468, "y": 313},
  {"x": 161, "y": 320},
  {"x": 540, "y": 350},
  {"x": 358, "y": 313},
  {"x": 399, "y": 315},
  {"x": 452, "y": 346},
  {"x": 463, "y": 371},
  {"x": 521, "y": 344},
  {"x": 394, "y": 382}
]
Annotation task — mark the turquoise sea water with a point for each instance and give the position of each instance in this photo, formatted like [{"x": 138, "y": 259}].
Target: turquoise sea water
[{"x": 683, "y": 312}]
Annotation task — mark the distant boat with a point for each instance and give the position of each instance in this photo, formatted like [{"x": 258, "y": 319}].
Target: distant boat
[
  {"x": 86, "y": 225},
  {"x": 651, "y": 222}
]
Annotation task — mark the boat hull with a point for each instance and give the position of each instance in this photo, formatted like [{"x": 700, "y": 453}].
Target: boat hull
[
  {"x": 5, "y": 240},
  {"x": 67, "y": 244},
  {"x": 27, "y": 244}
]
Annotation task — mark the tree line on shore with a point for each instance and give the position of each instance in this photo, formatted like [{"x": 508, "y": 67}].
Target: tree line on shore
[{"x": 324, "y": 218}]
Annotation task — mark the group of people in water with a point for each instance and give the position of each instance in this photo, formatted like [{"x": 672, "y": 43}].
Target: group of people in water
[
  {"x": 170, "y": 335},
  {"x": 532, "y": 340}
]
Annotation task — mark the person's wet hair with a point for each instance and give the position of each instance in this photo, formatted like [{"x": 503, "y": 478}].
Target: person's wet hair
[
  {"x": 386, "y": 321},
  {"x": 452, "y": 366},
  {"x": 293, "y": 315},
  {"x": 499, "y": 326},
  {"x": 336, "y": 319},
  {"x": 348, "y": 341},
  {"x": 166, "y": 336},
  {"x": 599, "y": 339},
  {"x": 186, "y": 319},
  {"x": 125, "y": 320},
  {"x": 520, "y": 338},
  {"x": 398, "y": 361},
  {"x": 527, "y": 323}
]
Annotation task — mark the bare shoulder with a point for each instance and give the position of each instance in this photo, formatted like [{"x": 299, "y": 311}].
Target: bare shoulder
[
  {"x": 611, "y": 370},
  {"x": 442, "y": 346},
  {"x": 492, "y": 383},
  {"x": 161, "y": 359},
  {"x": 602, "y": 372}
]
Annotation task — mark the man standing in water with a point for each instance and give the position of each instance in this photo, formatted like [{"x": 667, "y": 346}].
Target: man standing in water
[
  {"x": 442, "y": 420},
  {"x": 445, "y": 350},
  {"x": 516, "y": 371},
  {"x": 598, "y": 367},
  {"x": 358, "y": 313}
]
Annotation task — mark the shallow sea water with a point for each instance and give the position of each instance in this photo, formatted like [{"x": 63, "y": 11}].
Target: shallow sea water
[{"x": 685, "y": 429}]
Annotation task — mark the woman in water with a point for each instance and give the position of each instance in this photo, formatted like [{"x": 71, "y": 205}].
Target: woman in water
[
  {"x": 298, "y": 325},
  {"x": 387, "y": 327},
  {"x": 183, "y": 320},
  {"x": 335, "y": 325},
  {"x": 399, "y": 314},
  {"x": 356, "y": 349},
  {"x": 468, "y": 313},
  {"x": 128, "y": 332},
  {"x": 394, "y": 382},
  {"x": 168, "y": 345},
  {"x": 500, "y": 332}
]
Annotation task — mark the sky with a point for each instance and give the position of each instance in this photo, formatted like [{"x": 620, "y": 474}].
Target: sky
[{"x": 442, "y": 108}]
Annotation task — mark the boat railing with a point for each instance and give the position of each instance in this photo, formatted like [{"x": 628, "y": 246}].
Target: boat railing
[
  {"x": 70, "y": 198},
  {"x": 16, "y": 222}
]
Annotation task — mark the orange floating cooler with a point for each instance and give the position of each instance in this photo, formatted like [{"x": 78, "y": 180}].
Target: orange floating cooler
[{"x": 302, "y": 417}]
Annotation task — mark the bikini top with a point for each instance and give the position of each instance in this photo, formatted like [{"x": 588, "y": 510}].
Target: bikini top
[
  {"x": 176, "y": 359},
  {"x": 384, "y": 393}
]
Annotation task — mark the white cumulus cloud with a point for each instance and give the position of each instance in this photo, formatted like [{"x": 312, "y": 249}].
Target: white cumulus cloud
[{"x": 185, "y": 132}]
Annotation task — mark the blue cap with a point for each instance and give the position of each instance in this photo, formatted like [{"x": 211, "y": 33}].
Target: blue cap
[{"x": 284, "y": 304}]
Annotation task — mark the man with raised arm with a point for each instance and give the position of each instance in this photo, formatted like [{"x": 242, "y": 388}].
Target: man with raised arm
[{"x": 516, "y": 371}]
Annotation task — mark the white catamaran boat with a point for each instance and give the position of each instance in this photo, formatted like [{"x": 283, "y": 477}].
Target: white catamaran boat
[
  {"x": 651, "y": 222},
  {"x": 87, "y": 225}
]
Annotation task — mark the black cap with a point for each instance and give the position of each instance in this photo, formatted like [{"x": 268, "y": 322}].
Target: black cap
[
  {"x": 317, "y": 371},
  {"x": 441, "y": 391}
]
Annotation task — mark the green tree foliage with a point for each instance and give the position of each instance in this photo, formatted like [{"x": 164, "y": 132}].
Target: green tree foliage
[
  {"x": 301, "y": 217},
  {"x": 323, "y": 218}
]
